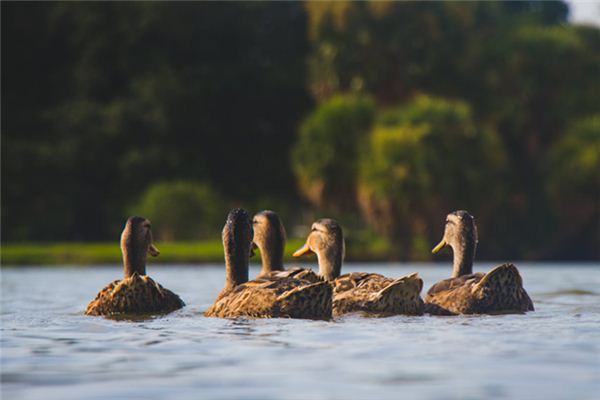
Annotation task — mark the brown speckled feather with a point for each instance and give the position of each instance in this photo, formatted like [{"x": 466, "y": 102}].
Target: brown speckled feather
[
  {"x": 376, "y": 294},
  {"x": 284, "y": 297},
  {"x": 136, "y": 294},
  {"x": 306, "y": 274},
  {"x": 499, "y": 291}
]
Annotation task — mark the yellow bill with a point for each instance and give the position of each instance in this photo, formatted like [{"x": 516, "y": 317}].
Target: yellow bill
[
  {"x": 153, "y": 251},
  {"x": 305, "y": 249},
  {"x": 440, "y": 246}
]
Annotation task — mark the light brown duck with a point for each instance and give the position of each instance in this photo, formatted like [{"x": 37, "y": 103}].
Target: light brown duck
[
  {"x": 359, "y": 291},
  {"x": 499, "y": 291}
]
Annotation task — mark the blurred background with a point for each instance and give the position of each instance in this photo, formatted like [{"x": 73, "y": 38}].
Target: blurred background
[{"x": 385, "y": 116}]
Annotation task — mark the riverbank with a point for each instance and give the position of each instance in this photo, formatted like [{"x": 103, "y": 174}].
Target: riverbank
[{"x": 174, "y": 252}]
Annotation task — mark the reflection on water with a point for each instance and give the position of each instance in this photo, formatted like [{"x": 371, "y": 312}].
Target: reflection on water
[
  {"x": 240, "y": 327},
  {"x": 51, "y": 351},
  {"x": 568, "y": 292}
]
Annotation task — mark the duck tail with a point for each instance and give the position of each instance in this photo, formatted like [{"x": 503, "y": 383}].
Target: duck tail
[
  {"x": 403, "y": 295},
  {"x": 311, "y": 301},
  {"x": 503, "y": 276},
  {"x": 504, "y": 282}
]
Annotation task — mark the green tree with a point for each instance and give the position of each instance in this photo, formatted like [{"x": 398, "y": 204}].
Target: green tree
[
  {"x": 525, "y": 72},
  {"x": 325, "y": 157},
  {"x": 99, "y": 100},
  {"x": 182, "y": 210},
  {"x": 394, "y": 50},
  {"x": 573, "y": 183},
  {"x": 537, "y": 80},
  {"x": 424, "y": 159}
]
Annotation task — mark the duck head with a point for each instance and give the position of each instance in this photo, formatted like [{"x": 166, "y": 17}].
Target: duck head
[
  {"x": 460, "y": 234},
  {"x": 237, "y": 240},
  {"x": 269, "y": 237},
  {"x": 136, "y": 244},
  {"x": 326, "y": 240}
]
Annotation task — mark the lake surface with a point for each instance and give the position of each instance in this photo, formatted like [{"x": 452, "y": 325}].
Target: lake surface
[{"x": 51, "y": 351}]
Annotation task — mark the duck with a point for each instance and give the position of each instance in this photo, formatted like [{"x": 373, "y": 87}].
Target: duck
[
  {"x": 367, "y": 293},
  {"x": 136, "y": 293},
  {"x": 500, "y": 291},
  {"x": 265, "y": 297},
  {"x": 270, "y": 238}
]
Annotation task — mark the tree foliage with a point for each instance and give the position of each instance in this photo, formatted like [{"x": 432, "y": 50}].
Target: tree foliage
[
  {"x": 573, "y": 183},
  {"x": 326, "y": 154},
  {"x": 102, "y": 100},
  {"x": 396, "y": 49},
  {"x": 425, "y": 158},
  {"x": 524, "y": 73},
  {"x": 182, "y": 210}
]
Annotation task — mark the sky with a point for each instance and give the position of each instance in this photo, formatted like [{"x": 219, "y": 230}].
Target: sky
[{"x": 585, "y": 11}]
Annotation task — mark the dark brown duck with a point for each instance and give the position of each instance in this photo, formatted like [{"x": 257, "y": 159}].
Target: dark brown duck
[
  {"x": 266, "y": 297},
  {"x": 136, "y": 292},
  {"x": 270, "y": 238}
]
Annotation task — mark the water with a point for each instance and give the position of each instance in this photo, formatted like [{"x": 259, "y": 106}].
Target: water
[{"x": 51, "y": 351}]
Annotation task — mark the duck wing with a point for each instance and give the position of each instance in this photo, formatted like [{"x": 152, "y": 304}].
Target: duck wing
[
  {"x": 377, "y": 294},
  {"x": 284, "y": 297},
  {"x": 451, "y": 296},
  {"x": 501, "y": 290},
  {"x": 451, "y": 284},
  {"x": 306, "y": 274},
  {"x": 136, "y": 294}
]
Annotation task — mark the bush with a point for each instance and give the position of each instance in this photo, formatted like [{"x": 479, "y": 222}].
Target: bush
[
  {"x": 182, "y": 210},
  {"x": 574, "y": 162},
  {"x": 326, "y": 153},
  {"x": 573, "y": 184},
  {"x": 423, "y": 160}
]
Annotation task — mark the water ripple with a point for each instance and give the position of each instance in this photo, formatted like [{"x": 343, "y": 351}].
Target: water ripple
[{"x": 51, "y": 350}]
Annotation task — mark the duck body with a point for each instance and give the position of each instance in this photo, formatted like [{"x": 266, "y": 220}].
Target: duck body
[
  {"x": 368, "y": 293},
  {"x": 282, "y": 297},
  {"x": 305, "y": 274},
  {"x": 499, "y": 291},
  {"x": 376, "y": 294},
  {"x": 135, "y": 294},
  {"x": 294, "y": 293}
]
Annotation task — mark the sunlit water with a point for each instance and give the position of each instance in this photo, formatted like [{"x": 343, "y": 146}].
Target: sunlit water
[{"x": 51, "y": 351}]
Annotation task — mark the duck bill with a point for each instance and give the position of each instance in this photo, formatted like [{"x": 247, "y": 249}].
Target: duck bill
[
  {"x": 153, "y": 251},
  {"x": 253, "y": 247},
  {"x": 440, "y": 246},
  {"x": 300, "y": 252}
]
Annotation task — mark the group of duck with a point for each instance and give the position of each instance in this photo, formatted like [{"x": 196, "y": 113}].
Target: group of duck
[{"x": 303, "y": 293}]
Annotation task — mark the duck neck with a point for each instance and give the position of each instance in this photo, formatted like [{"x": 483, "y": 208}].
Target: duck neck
[
  {"x": 236, "y": 265},
  {"x": 464, "y": 253},
  {"x": 330, "y": 264},
  {"x": 134, "y": 260},
  {"x": 272, "y": 258}
]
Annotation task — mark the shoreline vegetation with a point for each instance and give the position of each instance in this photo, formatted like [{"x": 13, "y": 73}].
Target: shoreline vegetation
[
  {"x": 73, "y": 253},
  {"x": 192, "y": 252},
  {"x": 382, "y": 115}
]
